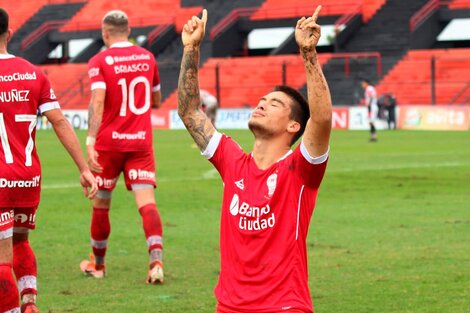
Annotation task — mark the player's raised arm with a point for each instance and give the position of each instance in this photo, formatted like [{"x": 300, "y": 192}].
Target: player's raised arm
[
  {"x": 197, "y": 123},
  {"x": 317, "y": 132}
]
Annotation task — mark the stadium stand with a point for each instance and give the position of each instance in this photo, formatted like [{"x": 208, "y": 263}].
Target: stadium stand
[
  {"x": 379, "y": 46},
  {"x": 459, "y": 4},
  {"x": 25, "y": 9},
  {"x": 243, "y": 80},
  {"x": 70, "y": 83},
  {"x": 275, "y": 9},
  {"x": 410, "y": 79},
  {"x": 141, "y": 13}
]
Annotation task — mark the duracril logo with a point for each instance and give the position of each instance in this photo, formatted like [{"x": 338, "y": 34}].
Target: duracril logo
[
  {"x": 252, "y": 218},
  {"x": 6, "y": 183},
  {"x": 141, "y": 174}
]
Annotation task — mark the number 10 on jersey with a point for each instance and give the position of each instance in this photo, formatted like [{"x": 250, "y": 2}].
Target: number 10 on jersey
[{"x": 128, "y": 95}]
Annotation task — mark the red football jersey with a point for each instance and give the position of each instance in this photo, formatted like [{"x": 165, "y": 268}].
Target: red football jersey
[
  {"x": 264, "y": 224},
  {"x": 24, "y": 90},
  {"x": 129, "y": 74}
]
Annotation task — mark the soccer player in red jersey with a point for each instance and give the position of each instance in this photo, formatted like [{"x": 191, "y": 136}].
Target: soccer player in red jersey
[
  {"x": 269, "y": 194},
  {"x": 24, "y": 90},
  {"x": 124, "y": 82}
]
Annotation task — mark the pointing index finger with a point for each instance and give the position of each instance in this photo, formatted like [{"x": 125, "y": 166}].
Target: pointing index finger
[
  {"x": 316, "y": 13},
  {"x": 204, "y": 16}
]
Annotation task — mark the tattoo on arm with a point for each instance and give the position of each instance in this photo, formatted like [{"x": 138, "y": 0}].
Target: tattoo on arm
[
  {"x": 94, "y": 118},
  {"x": 197, "y": 123}
]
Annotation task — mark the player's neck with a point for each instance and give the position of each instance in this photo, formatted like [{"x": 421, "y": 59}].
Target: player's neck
[
  {"x": 267, "y": 151},
  {"x": 3, "y": 48},
  {"x": 117, "y": 40}
]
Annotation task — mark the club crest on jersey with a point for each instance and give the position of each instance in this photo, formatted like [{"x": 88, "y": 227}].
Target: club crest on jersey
[
  {"x": 271, "y": 183},
  {"x": 251, "y": 218}
]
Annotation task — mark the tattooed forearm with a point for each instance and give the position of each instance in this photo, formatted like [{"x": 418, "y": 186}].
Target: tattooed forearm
[
  {"x": 93, "y": 121},
  {"x": 317, "y": 88},
  {"x": 197, "y": 123},
  {"x": 199, "y": 127}
]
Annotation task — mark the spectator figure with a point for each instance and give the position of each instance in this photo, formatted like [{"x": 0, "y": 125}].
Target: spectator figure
[
  {"x": 370, "y": 96},
  {"x": 209, "y": 105}
]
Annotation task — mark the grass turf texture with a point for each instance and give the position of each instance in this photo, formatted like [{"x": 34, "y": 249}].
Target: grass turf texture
[{"x": 389, "y": 234}]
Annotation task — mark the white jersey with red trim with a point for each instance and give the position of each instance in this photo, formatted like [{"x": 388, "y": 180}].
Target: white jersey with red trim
[
  {"x": 130, "y": 75},
  {"x": 24, "y": 91},
  {"x": 370, "y": 96},
  {"x": 264, "y": 224}
]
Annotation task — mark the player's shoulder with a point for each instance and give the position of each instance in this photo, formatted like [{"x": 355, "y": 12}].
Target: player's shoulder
[
  {"x": 20, "y": 62},
  {"x": 23, "y": 65}
]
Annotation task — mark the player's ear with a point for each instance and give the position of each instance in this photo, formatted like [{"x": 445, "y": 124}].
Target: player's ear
[
  {"x": 293, "y": 127},
  {"x": 9, "y": 34},
  {"x": 128, "y": 31}
]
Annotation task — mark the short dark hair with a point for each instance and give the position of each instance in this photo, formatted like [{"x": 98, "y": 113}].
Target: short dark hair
[
  {"x": 366, "y": 81},
  {"x": 3, "y": 21},
  {"x": 300, "y": 111}
]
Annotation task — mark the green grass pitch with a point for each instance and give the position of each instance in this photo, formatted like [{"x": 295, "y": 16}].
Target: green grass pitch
[{"x": 390, "y": 232}]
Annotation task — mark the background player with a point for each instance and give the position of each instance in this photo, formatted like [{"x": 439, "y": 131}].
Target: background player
[
  {"x": 25, "y": 90},
  {"x": 269, "y": 195},
  {"x": 124, "y": 81},
  {"x": 370, "y": 96},
  {"x": 209, "y": 104}
]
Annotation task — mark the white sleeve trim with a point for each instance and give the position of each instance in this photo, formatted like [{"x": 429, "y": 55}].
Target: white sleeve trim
[
  {"x": 313, "y": 160},
  {"x": 212, "y": 145},
  {"x": 98, "y": 85},
  {"x": 49, "y": 106},
  {"x": 156, "y": 88}
]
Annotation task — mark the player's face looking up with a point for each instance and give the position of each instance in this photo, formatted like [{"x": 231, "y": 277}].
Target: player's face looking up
[{"x": 272, "y": 115}]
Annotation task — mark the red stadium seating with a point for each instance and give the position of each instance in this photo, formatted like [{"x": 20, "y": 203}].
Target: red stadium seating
[
  {"x": 410, "y": 79},
  {"x": 22, "y": 10},
  {"x": 141, "y": 13},
  {"x": 244, "y": 80},
  {"x": 273, "y": 9},
  {"x": 70, "y": 83},
  {"x": 460, "y": 4}
]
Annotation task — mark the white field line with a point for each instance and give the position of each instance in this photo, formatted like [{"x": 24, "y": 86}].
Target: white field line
[{"x": 212, "y": 174}]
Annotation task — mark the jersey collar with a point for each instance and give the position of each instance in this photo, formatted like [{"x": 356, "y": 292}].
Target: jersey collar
[
  {"x": 6, "y": 56},
  {"x": 121, "y": 44},
  {"x": 282, "y": 158}
]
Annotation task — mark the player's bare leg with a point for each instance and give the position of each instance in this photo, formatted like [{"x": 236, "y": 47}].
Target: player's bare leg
[
  {"x": 100, "y": 230},
  {"x": 153, "y": 229}
]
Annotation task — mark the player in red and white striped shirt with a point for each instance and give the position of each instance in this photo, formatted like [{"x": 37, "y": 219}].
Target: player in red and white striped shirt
[
  {"x": 24, "y": 90},
  {"x": 269, "y": 194},
  {"x": 125, "y": 85}
]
